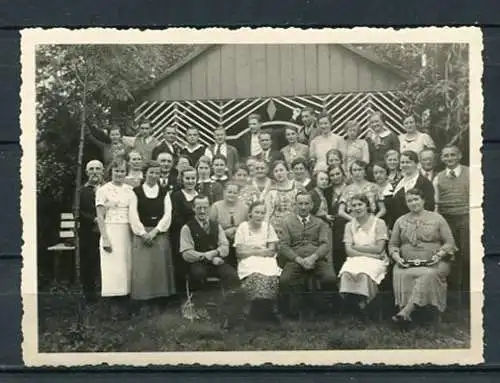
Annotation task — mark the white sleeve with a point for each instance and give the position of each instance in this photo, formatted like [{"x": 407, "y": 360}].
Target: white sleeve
[
  {"x": 166, "y": 220},
  {"x": 133, "y": 216},
  {"x": 239, "y": 237},
  {"x": 100, "y": 196}
]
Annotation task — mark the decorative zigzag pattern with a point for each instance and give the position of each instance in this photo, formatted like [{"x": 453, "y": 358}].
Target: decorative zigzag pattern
[{"x": 206, "y": 115}]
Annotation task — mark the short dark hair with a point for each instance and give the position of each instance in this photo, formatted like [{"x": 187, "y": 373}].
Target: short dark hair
[
  {"x": 265, "y": 131},
  {"x": 200, "y": 197},
  {"x": 254, "y": 204},
  {"x": 411, "y": 155},
  {"x": 417, "y": 192},
  {"x": 337, "y": 152},
  {"x": 451, "y": 146},
  {"x": 363, "y": 198},
  {"x": 359, "y": 163},
  {"x": 331, "y": 167},
  {"x": 299, "y": 160},
  {"x": 380, "y": 164},
  {"x": 219, "y": 157}
]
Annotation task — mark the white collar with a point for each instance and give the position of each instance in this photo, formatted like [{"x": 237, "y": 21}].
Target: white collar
[
  {"x": 192, "y": 150},
  {"x": 223, "y": 178},
  {"x": 308, "y": 218},
  {"x": 382, "y": 134},
  {"x": 189, "y": 197},
  {"x": 457, "y": 170}
]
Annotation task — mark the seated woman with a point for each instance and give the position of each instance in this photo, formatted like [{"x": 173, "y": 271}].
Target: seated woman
[
  {"x": 301, "y": 174},
  {"x": 421, "y": 245},
  {"x": 256, "y": 245},
  {"x": 229, "y": 213},
  {"x": 366, "y": 264}
]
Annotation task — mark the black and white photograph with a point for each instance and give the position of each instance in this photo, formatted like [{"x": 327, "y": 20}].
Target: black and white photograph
[{"x": 282, "y": 196}]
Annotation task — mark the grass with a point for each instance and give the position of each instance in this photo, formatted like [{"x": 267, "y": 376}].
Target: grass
[{"x": 65, "y": 328}]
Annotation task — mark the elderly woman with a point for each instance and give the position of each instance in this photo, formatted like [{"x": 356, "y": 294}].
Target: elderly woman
[
  {"x": 135, "y": 176},
  {"x": 150, "y": 213},
  {"x": 421, "y": 245},
  {"x": 412, "y": 178},
  {"x": 256, "y": 245},
  {"x": 112, "y": 204},
  {"x": 280, "y": 201},
  {"x": 391, "y": 160},
  {"x": 365, "y": 237},
  {"x": 294, "y": 149},
  {"x": 229, "y": 212},
  {"x": 355, "y": 148}
]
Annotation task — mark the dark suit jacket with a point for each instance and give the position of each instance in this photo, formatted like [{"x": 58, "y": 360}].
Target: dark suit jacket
[
  {"x": 173, "y": 180},
  {"x": 274, "y": 155},
  {"x": 87, "y": 210},
  {"x": 163, "y": 148},
  {"x": 316, "y": 199},
  {"x": 277, "y": 136},
  {"x": 232, "y": 157}
]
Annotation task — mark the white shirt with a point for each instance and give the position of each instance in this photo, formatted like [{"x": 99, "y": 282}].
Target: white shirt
[
  {"x": 416, "y": 143},
  {"x": 223, "y": 149},
  {"x": 308, "y": 218},
  {"x": 255, "y": 148},
  {"x": 457, "y": 170},
  {"x": 407, "y": 183}
]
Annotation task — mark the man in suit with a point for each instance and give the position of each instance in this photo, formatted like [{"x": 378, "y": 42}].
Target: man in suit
[
  {"x": 194, "y": 150},
  {"x": 221, "y": 147},
  {"x": 168, "y": 174},
  {"x": 169, "y": 144},
  {"x": 267, "y": 153},
  {"x": 304, "y": 250},
  {"x": 427, "y": 160},
  {"x": 88, "y": 231},
  {"x": 309, "y": 124}
]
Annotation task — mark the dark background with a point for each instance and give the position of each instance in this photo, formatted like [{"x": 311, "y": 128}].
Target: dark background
[{"x": 304, "y": 13}]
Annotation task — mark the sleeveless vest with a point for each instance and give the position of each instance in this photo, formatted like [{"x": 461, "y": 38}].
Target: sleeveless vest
[
  {"x": 150, "y": 209},
  {"x": 453, "y": 193},
  {"x": 204, "y": 241}
]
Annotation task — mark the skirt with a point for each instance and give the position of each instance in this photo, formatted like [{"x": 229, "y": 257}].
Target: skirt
[
  {"x": 259, "y": 286},
  {"x": 152, "y": 268},
  {"x": 116, "y": 265},
  {"x": 421, "y": 286},
  {"x": 361, "y": 276}
]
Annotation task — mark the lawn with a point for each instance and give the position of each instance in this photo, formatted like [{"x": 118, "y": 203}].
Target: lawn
[{"x": 64, "y": 328}]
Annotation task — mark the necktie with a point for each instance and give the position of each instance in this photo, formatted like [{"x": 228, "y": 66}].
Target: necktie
[
  {"x": 231, "y": 220},
  {"x": 206, "y": 226},
  {"x": 453, "y": 174},
  {"x": 304, "y": 221},
  {"x": 218, "y": 150}
]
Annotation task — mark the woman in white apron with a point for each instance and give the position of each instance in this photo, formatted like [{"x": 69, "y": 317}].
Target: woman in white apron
[{"x": 366, "y": 264}]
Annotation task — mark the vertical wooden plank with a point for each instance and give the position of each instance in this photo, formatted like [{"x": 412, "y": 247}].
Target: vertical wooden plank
[
  {"x": 199, "y": 80},
  {"x": 243, "y": 74},
  {"x": 185, "y": 77},
  {"x": 286, "y": 69},
  {"x": 350, "y": 73},
  {"x": 378, "y": 81},
  {"x": 258, "y": 68},
  {"x": 273, "y": 66},
  {"x": 227, "y": 71},
  {"x": 311, "y": 68},
  {"x": 298, "y": 59},
  {"x": 365, "y": 77},
  {"x": 336, "y": 69},
  {"x": 213, "y": 74},
  {"x": 323, "y": 69},
  {"x": 174, "y": 89}
]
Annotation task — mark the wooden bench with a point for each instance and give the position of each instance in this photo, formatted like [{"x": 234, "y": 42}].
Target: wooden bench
[{"x": 66, "y": 246}]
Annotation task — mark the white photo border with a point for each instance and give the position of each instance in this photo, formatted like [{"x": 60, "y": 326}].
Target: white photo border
[{"x": 30, "y": 38}]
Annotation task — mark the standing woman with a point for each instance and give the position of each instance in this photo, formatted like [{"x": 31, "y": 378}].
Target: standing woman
[
  {"x": 135, "y": 176},
  {"x": 354, "y": 148},
  {"x": 294, "y": 149},
  {"x": 150, "y": 218},
  {"x": 391, "y": 159},
  {"x": 413, "y": 139},
  {"x": 112, "y": 204},
  {"x": 229, "y": 213},
  {"x": 380, "y": 173},
  {"x": 337, "y": 177},
  {"x": 301, "y": 174},
  {"x": 365, "y": 238},
  {"x": 334, "y": 157},
  {"x": 220, "y": 170},
  {"x": 321, "y": 204},
  {"x": 241, "y": 177},
  {"x": 182, "y": 212},
  {"x": 261, "y": 182},
  {"x": 205, "y": 185},
  {"x": 280, "y": 201},
  {"x": 112, "y": 147},
  {"x": 358, "y": 186},
  {"x": 412, "y": 178},
  {"x": 381, "y": 140},
  {"x": 321, "y": 144}
]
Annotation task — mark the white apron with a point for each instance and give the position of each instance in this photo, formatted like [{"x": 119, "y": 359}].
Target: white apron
[{"x": 374, "y": 268}]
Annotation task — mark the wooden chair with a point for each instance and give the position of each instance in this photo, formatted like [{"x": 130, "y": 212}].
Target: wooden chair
[{"x": 66, "y": 247}]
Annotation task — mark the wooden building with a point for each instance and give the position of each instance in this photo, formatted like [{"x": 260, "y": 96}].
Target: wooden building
[{"x": 223, "y": 84}]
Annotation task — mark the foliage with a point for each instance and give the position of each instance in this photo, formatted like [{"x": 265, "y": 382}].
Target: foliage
[
  {"x": 111, "y": 76},
  {"x": 437, "y": 82}
]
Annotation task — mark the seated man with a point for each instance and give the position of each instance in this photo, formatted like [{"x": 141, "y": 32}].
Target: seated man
[
  {"x": 304, "y": 246},
  {"x": 204, "y": 246}
]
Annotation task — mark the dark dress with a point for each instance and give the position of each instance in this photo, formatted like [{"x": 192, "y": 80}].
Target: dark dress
[
  {"x": 182, "y": 212},
  {"x": 90, "y": 268},
  {"x": 214, "y": 190},
  {"x": 338, "y": 227},
  {"x": 398, "y": 203},
  {"x": 378, "y": 149}
]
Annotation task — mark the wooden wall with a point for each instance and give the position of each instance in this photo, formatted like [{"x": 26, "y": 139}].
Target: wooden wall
[{"x": 259, "y": 70}]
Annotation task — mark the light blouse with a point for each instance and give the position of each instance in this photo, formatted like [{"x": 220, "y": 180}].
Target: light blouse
[{"x": 116, "y": 200}]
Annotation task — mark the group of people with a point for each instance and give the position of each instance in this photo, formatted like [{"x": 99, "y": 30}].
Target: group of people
[{"x": 345, "y": 211}]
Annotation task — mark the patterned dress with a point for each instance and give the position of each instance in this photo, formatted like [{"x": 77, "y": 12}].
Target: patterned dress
[{"x": 280, "y": 202}]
